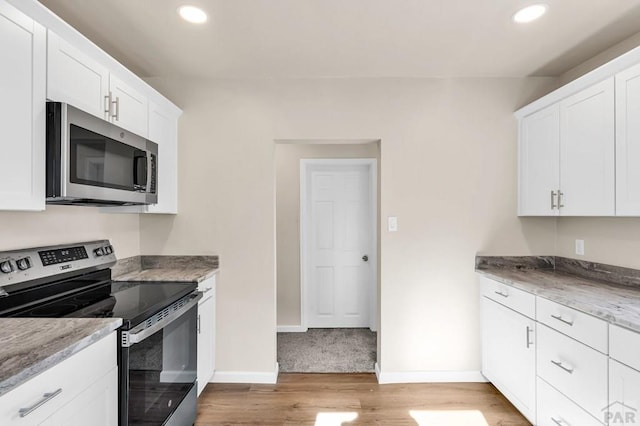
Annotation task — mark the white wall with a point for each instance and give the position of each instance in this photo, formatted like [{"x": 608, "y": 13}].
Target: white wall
[
  {"x": 448, "y": 171},
  {"x": 70, "y": 224},
  {"x": 287, "y": 160}
]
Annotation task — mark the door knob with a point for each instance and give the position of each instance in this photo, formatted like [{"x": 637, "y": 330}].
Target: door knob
[{"x": 365, "y": 258}]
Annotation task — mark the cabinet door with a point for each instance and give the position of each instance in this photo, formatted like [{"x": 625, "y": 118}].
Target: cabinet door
[
  {"x": 206, "y": 341},
  {"x": 624, "y": 395},
  {"x": 22, "y": 111},
  {"x": 539, "y": 161},
  {"x": 129, "y": 108},
  {"x": 628, "y": 142},
  {"x": 508, "y": 355},
  {"x": 587, "y": 164},
  {"x": 163, "y": 130},
  {"x": 76, "y": 78},
  {"x": 97, "y": 405}
]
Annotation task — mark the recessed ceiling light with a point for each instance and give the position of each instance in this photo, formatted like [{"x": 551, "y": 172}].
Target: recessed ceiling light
[
  {"x": 192, "y": 14},
  {"x": 530, "y": 13}
]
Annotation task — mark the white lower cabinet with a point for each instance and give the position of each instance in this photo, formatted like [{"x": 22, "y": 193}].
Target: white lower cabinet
[
  {"x": 508, "y": 354},
  {"x": 576, "y": 370},
  {"x": 624, "y": 395},
  {"x": 555, "y": 409},
  {"x": 81, "y": 390},
  {"x": 206, "y": 332}
]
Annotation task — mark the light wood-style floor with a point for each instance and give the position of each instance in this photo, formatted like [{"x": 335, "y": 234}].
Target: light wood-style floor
[{"x": 310, "y": 399}]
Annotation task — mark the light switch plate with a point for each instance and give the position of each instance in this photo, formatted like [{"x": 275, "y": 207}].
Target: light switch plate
[
  {"x": 580, "y": 247},
  {"x": 392, "y": 224}
]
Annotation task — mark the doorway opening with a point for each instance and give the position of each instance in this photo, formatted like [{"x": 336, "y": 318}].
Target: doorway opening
[{"x": 327, "y": 217}]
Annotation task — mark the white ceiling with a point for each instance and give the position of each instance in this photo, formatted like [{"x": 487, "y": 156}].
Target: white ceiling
[{"x": 350, "y": 38}]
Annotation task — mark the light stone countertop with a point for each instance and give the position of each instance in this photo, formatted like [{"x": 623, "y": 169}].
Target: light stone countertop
[
  {"x": 29, "y": 346},
  {"x": 166, "y": 268},
  {"x": 171, "y": 274},
  {"x": 617, "y": 304}
]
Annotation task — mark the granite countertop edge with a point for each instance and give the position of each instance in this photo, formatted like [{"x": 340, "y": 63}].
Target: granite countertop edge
[
  {"x": 530, "y": 286},
  {"x": 45, "y": 364},
  {"x": 196, "y": 275}
]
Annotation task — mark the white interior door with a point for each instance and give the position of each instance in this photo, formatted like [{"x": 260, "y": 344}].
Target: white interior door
[{"x": 340, "y": 246}]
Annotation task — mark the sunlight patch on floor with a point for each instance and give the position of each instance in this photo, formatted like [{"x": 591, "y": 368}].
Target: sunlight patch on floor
[
  {"x": 334, "y": 419},
  {"x": 448, "y": 417}
]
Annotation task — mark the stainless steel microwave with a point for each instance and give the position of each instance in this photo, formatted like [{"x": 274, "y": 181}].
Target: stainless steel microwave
[{"x": 93, "y": 162}]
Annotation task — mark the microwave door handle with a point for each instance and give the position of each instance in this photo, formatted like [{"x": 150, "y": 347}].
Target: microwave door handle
[
  {"x": 137, "y": 159},
  {"x": 140, "y": 333},
  {"x": 150, "y": 165}
]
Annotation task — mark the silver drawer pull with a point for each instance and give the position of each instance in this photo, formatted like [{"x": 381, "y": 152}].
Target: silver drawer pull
[
  {"x": 501, "y": 293},
  {"x": 559, "y": 364},
  {"x": 24, "y": 412},
  {"x": 560, "y": 422},
  {"x": 559, "y": 318},
  {"x": 529, "y": 342},
  {"x": 207, "y": 290}
]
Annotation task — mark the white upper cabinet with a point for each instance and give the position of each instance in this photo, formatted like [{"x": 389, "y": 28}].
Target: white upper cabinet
[
  {"x": 587, "y": 152},
  {"x": 163, "y": 130},
  {"x": 539, "y": 163},
  {"x": 22, "y": 111},
  {"x": 129, "y": 107},
  {"x": 628, "y": 142},
  {"x": 75, "y": 78},
  {"x": 566, "y": 156}
]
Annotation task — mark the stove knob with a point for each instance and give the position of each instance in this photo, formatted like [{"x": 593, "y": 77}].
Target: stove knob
[
  {"x": 6, "y": 267},
  {"x": 99, "y": 251},
  {"x": 110, "y": 248},
  {"x": 23, "y": 264}
]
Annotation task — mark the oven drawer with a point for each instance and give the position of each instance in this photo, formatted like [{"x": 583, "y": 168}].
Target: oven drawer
[
  {"x": 556, "y": 409},
  {"x": 511, "y": 297},
  {"x": 72, "y": 376},
  {"x": 576, "y": 370},
  {"x": 583, "y": 327}
]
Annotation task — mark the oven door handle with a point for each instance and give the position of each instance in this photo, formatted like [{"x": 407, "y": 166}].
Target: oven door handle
[{"x": 160, "y": 320}]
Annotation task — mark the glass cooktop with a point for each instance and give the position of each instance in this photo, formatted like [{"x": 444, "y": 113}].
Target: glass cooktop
[{"x": 95, "y": 296}]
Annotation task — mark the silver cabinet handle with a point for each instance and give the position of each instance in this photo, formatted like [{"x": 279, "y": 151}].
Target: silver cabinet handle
[
  {"x": 107, "y": 104},
  {"x": 24, "y": 412},
  {"x": 198, "y": 323},
  {"x": 501, "y": 293},
  {"x": 559, "y": 318},
  {"x": 559, "y": 422},
  {"x": 559, "y": 364},
  {"x": 560, "y": 195},
  {"x": 529, "y": 342},
  {"x": 116, "y": 114},
  {"x": 553, "y": 200},
  {"x": 207, "y": 290}
]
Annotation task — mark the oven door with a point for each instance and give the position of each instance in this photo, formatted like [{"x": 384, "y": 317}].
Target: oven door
[{"x": 158, "y": 360}]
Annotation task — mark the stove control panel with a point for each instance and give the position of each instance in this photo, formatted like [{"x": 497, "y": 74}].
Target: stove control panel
[{"x": 22, "y": 266}]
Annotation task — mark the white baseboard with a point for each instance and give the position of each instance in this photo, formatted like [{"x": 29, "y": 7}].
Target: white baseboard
[
  {"x": 292, "y": 329},
  {"x": 246, "y": 376},
  {"x": 385, "y": 377}
]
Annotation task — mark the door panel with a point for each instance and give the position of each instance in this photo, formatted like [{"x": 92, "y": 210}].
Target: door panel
[
  {"x": 587, "y": 164},
  {"x": 339, "y": 279}
]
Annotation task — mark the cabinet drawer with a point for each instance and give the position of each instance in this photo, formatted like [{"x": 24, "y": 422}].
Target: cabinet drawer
[
  {"x": 556, "y": 409},
  {"x": 624, "y": 395},
  {"x": 208, "y": 286},
  {"x": 72, "y": 375},
  {"x": 583, "y": 327},
  {"x": 511, "y": 297},
  {"x": 576, "y": 370},
  {"x": 624, "y": 346}
]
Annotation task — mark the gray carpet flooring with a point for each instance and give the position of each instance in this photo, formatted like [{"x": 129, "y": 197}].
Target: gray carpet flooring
[{"x": 328, "y": 350}]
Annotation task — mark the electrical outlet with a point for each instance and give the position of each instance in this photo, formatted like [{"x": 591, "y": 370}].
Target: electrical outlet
[
  {"x": 392, "y": 224},
  {"x": 580, "y": 247}
]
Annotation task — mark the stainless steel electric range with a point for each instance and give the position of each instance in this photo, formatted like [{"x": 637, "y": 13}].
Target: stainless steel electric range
[{"x": 157, "y": 343}]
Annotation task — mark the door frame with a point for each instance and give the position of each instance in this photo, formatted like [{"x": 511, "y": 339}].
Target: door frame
[{"x": 306, "y": 166}]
